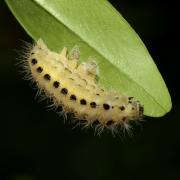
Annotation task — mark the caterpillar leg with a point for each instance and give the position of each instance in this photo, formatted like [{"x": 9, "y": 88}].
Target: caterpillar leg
[
  {"x": 63, "y": 56},
  {"x": 74, "y": 54},
  {"x": 41, "y": 45},
  {"x": 91, "y": 68},
  {"x": 88, "y": 69},
  {"x": 73, "y": 58}
]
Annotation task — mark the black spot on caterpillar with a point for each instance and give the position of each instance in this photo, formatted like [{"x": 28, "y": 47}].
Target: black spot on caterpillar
[{"x": 74, "y": 87}]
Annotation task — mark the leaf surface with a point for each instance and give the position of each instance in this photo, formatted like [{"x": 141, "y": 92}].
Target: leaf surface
[{"x": 103, "y": 34}]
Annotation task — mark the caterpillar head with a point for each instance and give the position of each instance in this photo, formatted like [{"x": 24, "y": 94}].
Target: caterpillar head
[{"x": 135, "y": 110}]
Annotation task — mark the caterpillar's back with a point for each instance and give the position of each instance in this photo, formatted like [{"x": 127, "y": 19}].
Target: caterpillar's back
[{"x": 75, "y": 88}]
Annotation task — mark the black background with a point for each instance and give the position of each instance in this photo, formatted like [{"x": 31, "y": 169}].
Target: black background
[{"x": 35, "y": 144}]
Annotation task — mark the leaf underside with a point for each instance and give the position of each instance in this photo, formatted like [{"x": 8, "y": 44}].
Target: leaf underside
[{"x": 103, "y": 34}]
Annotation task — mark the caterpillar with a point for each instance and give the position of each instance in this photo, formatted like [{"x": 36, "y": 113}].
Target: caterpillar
[{"x": 74, "y": 87}]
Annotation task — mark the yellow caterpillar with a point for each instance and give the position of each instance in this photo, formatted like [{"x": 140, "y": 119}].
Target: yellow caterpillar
[{"x": 74, "y": 87}]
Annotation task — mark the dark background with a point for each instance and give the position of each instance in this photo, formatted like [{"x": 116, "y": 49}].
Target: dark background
[{"x": 35, "y": 144}]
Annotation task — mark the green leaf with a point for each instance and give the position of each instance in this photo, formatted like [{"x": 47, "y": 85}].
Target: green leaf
[{"x": 102, "y": 33}]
